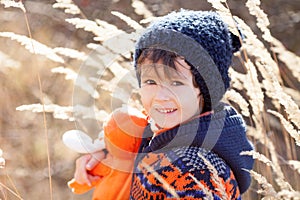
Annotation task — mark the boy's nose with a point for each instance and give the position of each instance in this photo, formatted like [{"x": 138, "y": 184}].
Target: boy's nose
[{"x": 163, "y": 93}]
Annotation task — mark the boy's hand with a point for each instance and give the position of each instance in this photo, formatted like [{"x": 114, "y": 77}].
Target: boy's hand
[{"x": 86, "y": 163}]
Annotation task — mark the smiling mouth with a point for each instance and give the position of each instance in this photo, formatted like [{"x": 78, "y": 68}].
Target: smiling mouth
[{"x": 167, "y": 111}]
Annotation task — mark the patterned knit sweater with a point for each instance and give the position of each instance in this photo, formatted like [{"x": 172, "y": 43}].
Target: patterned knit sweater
[{"x": 196, "y": 160}]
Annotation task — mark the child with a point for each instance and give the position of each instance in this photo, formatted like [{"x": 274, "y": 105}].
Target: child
[{"x": 191, "y": 147}]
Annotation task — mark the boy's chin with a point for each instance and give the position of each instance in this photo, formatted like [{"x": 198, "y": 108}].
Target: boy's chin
[{"x": 167, "y": 125}]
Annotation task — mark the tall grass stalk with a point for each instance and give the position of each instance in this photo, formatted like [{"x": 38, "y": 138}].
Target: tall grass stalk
[
  {"x": 22, "y": 7},
  {"x": 11, "y": 191},
  {"x": 262, "y": 89}
]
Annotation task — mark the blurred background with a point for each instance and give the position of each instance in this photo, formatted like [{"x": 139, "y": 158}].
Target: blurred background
[{"x": 22, "y": 134}]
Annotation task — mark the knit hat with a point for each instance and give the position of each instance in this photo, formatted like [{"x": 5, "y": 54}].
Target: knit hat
[{"x": 205, "y": 42}]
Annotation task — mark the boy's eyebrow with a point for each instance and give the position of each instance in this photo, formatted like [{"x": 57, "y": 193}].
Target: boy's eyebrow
[
  {"x": 147, "y": 71},
  {"x": 179, "y": 75},
  {"x": 172, "y": 75},
  {"x": 146, "y": 76},
  {"x": 152, "y": 69}
]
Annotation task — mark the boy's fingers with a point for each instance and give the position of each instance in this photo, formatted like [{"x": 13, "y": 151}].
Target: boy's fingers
[
  {"x": 80, "y": 174},
  {"x": 95, "y": 159},
  {"x": 85, "y": 163},
  {"x": 93, "y": 178}
]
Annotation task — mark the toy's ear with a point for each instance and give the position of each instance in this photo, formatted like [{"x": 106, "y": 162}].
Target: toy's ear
[
  {"x": 130, "y": 120},
  {"x": 123, "y": 132},
  {"x": 80, "y": 142}
]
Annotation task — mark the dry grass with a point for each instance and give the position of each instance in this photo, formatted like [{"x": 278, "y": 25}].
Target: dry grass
[{"x": 34, "y": 163}]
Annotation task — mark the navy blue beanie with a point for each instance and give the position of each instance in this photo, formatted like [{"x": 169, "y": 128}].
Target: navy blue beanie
[{"x": 205, "y": 42}]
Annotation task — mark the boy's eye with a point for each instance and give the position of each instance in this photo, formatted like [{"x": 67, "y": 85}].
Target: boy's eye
[
  {"x": 176, "y": 83},
  {"x": 150, "y": 82}
]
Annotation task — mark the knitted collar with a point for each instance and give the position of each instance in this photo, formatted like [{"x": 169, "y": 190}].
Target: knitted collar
[
  {"x": 193, "y": 132},
  {"x": 157, "y": 130},
  {"x": 222, "y": 132}
]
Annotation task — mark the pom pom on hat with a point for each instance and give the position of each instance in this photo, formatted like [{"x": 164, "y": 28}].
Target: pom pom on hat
[{"x": 205, "y": 42}]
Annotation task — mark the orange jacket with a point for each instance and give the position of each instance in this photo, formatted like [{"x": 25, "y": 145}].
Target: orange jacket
[{"x": 122, "y": 134}]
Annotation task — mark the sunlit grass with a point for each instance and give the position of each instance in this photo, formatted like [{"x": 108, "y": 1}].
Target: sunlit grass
[{"x": 268, "y": 102}]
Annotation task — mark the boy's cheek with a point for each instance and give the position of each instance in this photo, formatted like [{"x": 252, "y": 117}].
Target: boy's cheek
[
  {"x": 145, "y": 99},
  {"x": 146, "y": 93}
]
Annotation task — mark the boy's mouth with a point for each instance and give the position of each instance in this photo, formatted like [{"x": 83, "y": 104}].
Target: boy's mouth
[{"x": 166, "y": 110}]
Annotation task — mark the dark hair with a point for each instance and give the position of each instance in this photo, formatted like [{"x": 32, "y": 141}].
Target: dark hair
[{"x": 168, "y": 59}]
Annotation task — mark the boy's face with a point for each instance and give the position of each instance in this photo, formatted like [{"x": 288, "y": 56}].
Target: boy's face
[{"x": 171, "y": 98}]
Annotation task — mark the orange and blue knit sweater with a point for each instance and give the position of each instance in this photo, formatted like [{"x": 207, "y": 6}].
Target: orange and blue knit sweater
[{"x": 178, "y": 162}]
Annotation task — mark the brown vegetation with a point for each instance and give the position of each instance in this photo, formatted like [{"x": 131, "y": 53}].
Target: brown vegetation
[{"x": 46, "y": 47}]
